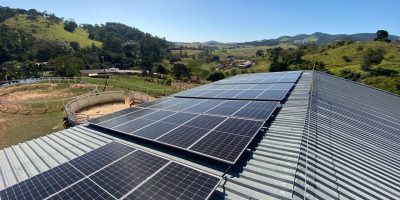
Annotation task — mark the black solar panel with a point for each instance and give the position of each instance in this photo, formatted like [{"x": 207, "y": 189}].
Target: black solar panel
[
  {"x": 43, "y": 185},
  {"x": 184, "y": 136},
  {"x": 176, "y": 182},
  {"x": 222, "y": 145},
  {"x": 184, "y": 129},
  {"x": 262, "y": 92},
  {"x": 120, "y": 171},
  {"x": 97, "y": 159},
  {"x": 85, "y": 189},
  {"x": 125, "y": 174},
  {"x": 277, "y": 77}
]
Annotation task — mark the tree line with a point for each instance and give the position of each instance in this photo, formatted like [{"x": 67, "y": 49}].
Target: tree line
[{"x": 122, "y": 46}]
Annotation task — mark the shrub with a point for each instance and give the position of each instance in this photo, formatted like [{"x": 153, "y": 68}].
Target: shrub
[
  {"x": 215, "y": 76},
  {"x": 70, "y": 26},
  {"x": 371, "y": 57}
]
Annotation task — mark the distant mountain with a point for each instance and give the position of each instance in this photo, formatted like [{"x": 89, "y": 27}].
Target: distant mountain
[{"x": 317, "y": 38}]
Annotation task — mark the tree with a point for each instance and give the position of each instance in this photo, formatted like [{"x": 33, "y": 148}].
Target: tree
[
  {"x": 159, "y": 68},
  {"x": 47, "y": 49},
  {"x": 67, "y": 65},
  {"x": 14, "y": 44},
  {"x": 70, "y": 26},
  {"x": 382, "y": 35},
  {"x": 214, "y": 58},
  {"x": 371, "y": 57},
  {"x": 215, "y": 76},
  {"x": 180, "y": 70},
  {"x": 75, "y": 45},
  {"x": 259, "y": 52}
]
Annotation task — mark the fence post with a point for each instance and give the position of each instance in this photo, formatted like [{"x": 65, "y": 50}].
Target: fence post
[{"x": 30, "y": 106}]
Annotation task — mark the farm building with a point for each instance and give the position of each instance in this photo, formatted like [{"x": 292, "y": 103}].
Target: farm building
[
  {"x": 107, "y": 72},
  {"x": 287, "y": 135}
]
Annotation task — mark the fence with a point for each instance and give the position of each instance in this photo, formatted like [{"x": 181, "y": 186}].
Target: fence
[
  {"x": 88, "y": 100},
  {"x": 41, "y": 106}
]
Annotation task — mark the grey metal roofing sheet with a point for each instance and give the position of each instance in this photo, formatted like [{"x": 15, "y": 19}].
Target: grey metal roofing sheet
[{"x": 329, "y": 149}]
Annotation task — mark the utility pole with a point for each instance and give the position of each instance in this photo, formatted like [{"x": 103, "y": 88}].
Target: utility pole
[{"x": 105, "y": 78}]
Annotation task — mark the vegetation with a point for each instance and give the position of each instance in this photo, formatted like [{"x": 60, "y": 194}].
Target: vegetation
[
  {"x": 215, "y": 76},
  {"x": 32, "y": 42}
]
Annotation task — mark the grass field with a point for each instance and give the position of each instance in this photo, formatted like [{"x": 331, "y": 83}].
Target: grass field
[
  {"x": 136, "y": 84},
  {"x": 246, "y": 52},
  {"x": 16, "y": 128},
  {"x": 384, "y": 75},
  {"x": 41, "y": 28}
]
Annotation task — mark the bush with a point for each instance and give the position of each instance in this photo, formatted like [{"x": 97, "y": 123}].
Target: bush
[
  {"x": 371, "y": 57},
  {"x": 215, "y": 76},
  {"x": 70, "y": 26},
  {"x": 180, "y": 70},
  {"x": 346, "y": 59},
  {"x": 348, "y": 74}
]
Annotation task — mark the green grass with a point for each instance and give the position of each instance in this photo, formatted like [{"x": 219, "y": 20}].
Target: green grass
[
  {"x": 34, "y": 125},
  {"x": 134, "y": 83},
  {"x": 41, "y": 28},
  {"x": 384, "y": 75},
  {"x": 246, "y": 52}
]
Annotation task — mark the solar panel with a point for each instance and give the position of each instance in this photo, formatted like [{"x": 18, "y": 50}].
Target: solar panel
[
  {"x": 183, "y": 129},
  {"x": 127, "y": 173},
  {"x": 276, "y": 77},
  {"x": 85, "y": 189},
  {"x": 176, "y": 182},
  {"x": 262, "y": 92},
  {"x": 115, "y": 171},
  {"x": 43, "y": 185}
]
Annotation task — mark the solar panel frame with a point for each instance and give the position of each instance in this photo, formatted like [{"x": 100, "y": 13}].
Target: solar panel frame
[
  {"x": 232, "y": 93},
  {"x": 276, "y": 77},
  {"x": 86, "y": 185},
  {"x": 188, "y": 149}
]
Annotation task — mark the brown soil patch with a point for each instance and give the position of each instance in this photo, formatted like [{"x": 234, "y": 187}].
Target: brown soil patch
[
  {"x": 100, "y": 110},
  {"x": 38, "y": 95}
]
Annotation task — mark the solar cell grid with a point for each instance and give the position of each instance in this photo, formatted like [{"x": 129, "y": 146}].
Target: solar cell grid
[
  {"x": 176, "y": 182},
  {"x": 85, "y": 189},
  {"x": 98, "y": 158},
  {"x": 264, "y": 92},
  {"x": 240, "y": 127},
  {"x": 129, "y": 172},
  {"x": 179, "y": 118},
  {"x": 184, "y": 136},
  {"x": 222, "y": 145},
  {"x": 155, "y": 130},
  {"x": 124, "y": 175},
  {"x": 132, "y": 126},
  {"x": 261, "y": 78},
  {"x": 43, "y": 185}
]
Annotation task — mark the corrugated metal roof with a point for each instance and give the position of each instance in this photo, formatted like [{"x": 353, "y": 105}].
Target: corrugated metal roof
[
  {"x": 346, "y": 145},
  {"x": 351, "y": 143}
]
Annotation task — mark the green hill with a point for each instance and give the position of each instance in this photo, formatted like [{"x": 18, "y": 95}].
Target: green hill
[
  {"x": 42, "y": 28},
  {"x": 345, "y": 61}
]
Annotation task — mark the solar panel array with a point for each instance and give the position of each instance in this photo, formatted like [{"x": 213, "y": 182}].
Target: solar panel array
[
  {"x": 261, "y": 87},
  {"x": 219, "y": 129},
  {"x": 263, "y": 92},
  {"x": 276, "y": 77},
  {"x": 220, "y": 126},
  {"x": 116, "y": 171}
]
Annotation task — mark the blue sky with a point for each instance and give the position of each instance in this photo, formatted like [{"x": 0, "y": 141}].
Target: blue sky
[{"x": 228, "y": 20}]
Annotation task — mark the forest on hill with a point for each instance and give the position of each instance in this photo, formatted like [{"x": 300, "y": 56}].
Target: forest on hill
[{"x": 32, "y": 42}]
